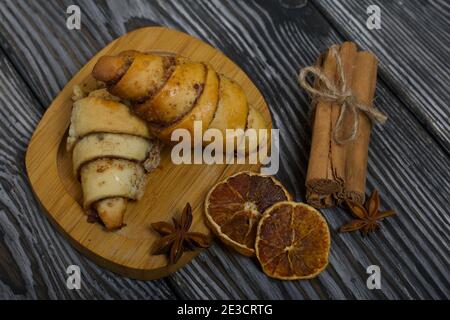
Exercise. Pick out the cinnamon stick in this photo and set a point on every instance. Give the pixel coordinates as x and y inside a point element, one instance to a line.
<point>320,182</point>
<point>347,53</point>
<point>326,169</point>
<point>363,87</point>
<point>337,171</point>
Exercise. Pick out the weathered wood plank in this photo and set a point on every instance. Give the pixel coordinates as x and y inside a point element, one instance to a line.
<point>33,255</point>
<point>413,45</point>
<point>270,43</point>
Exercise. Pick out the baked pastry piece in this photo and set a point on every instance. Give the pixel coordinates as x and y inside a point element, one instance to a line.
<point>112,150</point>
<point>173,92</point>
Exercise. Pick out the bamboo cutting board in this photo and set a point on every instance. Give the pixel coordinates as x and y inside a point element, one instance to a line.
<point>170,187</point>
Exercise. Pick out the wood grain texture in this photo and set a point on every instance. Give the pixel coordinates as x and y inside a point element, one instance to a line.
<point>269,42</point>
<point>49,168</point>
<point>413,46</point>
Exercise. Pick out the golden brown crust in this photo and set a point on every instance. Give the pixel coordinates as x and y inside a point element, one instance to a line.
<point>203,110</point>
<point>255,121</point>
<point>178,95</point>
<point>110,69</point>
<point>172,95</point>
<point>111,211</point>
<point>144,77</point>
<point>232,109</point>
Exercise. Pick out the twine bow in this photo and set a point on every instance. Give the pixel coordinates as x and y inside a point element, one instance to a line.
<point>339,93</point>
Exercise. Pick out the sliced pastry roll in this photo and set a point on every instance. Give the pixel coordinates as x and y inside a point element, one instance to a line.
<point>112,150</point>
<point>173,93</point>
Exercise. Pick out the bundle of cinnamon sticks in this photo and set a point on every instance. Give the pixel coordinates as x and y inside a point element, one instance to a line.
<point>337,171</point>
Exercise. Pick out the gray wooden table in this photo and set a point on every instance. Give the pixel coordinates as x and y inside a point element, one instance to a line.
<point>270,40</point>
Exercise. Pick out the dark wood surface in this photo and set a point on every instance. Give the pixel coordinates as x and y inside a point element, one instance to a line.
<point>413,45</point>
<point>270,40</point>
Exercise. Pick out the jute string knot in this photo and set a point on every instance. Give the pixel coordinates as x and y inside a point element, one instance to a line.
<point>337,92</point>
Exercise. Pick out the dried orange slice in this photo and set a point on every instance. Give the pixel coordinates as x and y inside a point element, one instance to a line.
<point>292,241</point>
<point>234,207</point>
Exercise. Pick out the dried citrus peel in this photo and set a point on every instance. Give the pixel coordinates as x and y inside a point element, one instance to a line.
<point>234,207</point>
<point>292,241</point>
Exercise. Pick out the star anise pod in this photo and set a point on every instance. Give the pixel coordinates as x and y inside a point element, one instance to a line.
<point>176,238</point>
<point>367,216</point>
